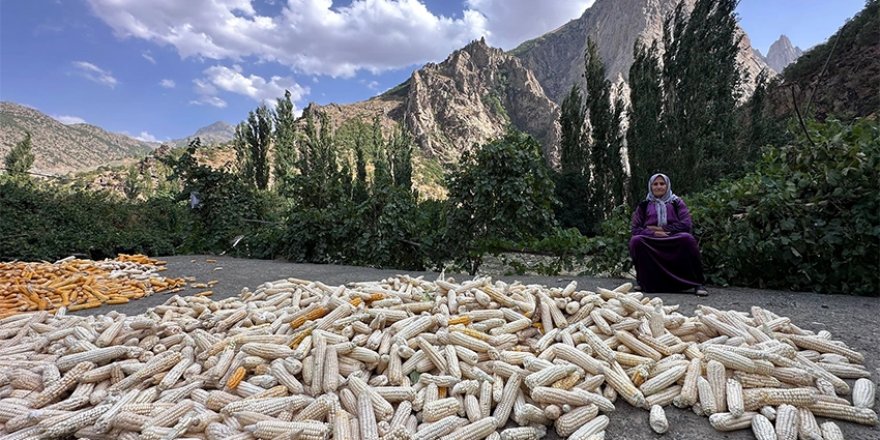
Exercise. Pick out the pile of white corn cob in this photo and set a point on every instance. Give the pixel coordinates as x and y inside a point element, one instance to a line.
<point>406,358</point>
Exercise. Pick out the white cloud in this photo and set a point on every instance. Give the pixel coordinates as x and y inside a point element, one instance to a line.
<point>317,37</point>
<point>94,73</point>
<point>147,56</point>
<point>167,83</point>
<point>511,22</point>
<point>232,80</point>
<point>67,120</point>
<point>310,36</point>
<point>146,137</point>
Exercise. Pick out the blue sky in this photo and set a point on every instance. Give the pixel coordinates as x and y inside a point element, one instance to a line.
<point>160,69</point>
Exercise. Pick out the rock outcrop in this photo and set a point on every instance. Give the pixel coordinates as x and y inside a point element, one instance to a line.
<point>782,53</point>
<point>557,58</point>
<point>469,98</point>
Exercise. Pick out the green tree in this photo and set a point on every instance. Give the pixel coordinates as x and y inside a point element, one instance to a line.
<point>285,143</point>
<point>606,168</point>
<point>571,121</point>
<point>701,82</point>
<point>132,186</point>
<point>644,137</point>
<point>252,141</point>
<point>571,183</point>
<point>503,191</point>
<point>20,159</point>
<point>318,179</point>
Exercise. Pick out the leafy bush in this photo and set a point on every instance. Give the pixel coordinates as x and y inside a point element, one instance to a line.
<point>805,219</point>
<point>503,191</point>
<point>43,222</point>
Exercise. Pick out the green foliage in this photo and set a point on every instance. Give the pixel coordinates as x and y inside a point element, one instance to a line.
<point>252,140</point>
<point>573,192</point>
<point>572,116</point>
<point>285,143</point>
<point>603,142</point>
<point>503,191</point>
<point>804,219</point>
<point>701,79</point>
<point>644,136</point>
<point>20,159</point>
<point>40,221</point>
<point>131,186</point>
<point>228,206</point>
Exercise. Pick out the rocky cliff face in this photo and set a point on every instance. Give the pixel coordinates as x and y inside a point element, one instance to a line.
<point>60,148</point>
<point>782,53</point>
<point>557,58</point>
<point>470,98</point>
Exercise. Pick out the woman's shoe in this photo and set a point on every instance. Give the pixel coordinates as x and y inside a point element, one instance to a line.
<point>700,291</point>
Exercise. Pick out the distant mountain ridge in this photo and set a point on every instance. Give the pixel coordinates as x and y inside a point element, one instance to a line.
<point>781,53</point>
<point>217,133</point>
<point>60,148</point>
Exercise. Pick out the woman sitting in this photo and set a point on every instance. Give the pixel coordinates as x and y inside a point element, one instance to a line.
<point>665,254</point>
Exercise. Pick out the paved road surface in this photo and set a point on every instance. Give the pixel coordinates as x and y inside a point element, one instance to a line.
<point>855,320</point>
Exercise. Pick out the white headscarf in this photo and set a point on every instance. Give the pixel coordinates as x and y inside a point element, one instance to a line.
<point>661,202</point>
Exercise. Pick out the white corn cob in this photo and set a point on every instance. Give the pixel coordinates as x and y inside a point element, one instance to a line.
<point>523,433</point>
<point>707,397</point>
<point>508,396</point>
<point>657,420</point>
<point>786,422</point>
<point>366,417</point>
<point>725,421</point>
<point>661,381</point>
<point>435,410</point>
<point>830,431</point>
<point>475,431</point>
<point>763,428</point>
<point>808,428</point>
<point>591,428</point>
<point>571,421</point>
<point>735,403</point>
<point>863,393</point>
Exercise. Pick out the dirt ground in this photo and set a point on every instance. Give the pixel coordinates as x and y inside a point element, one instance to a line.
<point>850,319</point>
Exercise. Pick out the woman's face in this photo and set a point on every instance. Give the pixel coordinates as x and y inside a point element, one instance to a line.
<point>658,187</point>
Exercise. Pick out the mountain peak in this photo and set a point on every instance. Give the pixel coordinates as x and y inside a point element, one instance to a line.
<point>782,53</point>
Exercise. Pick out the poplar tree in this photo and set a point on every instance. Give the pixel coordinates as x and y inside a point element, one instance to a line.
<point>252,140</point>
<point>285,143</point>
<point>606,169</point>
<point>701,82</point>
<point>20,159</point>
<point>644,136</point>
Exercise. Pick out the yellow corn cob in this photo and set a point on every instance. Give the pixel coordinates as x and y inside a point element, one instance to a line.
<point>236,378</point>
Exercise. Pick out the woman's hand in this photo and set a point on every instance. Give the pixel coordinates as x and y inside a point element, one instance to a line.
<point>655,228</point>
<point>661,233</point>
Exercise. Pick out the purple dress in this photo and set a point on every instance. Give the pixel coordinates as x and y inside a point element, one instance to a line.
<point>665,264</point>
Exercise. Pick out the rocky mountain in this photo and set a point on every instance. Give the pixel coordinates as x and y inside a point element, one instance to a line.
<point>217,133</point>
<point>471,97</point>
<point>782,53</point>
<point>839,77</point>
<point>61,148</point>
<point>557,58</point>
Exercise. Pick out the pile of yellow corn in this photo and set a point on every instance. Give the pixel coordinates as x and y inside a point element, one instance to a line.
<point>406,358</point>
<point>80,284</point>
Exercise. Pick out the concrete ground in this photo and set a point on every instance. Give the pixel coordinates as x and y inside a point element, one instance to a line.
<point>850,319</point>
